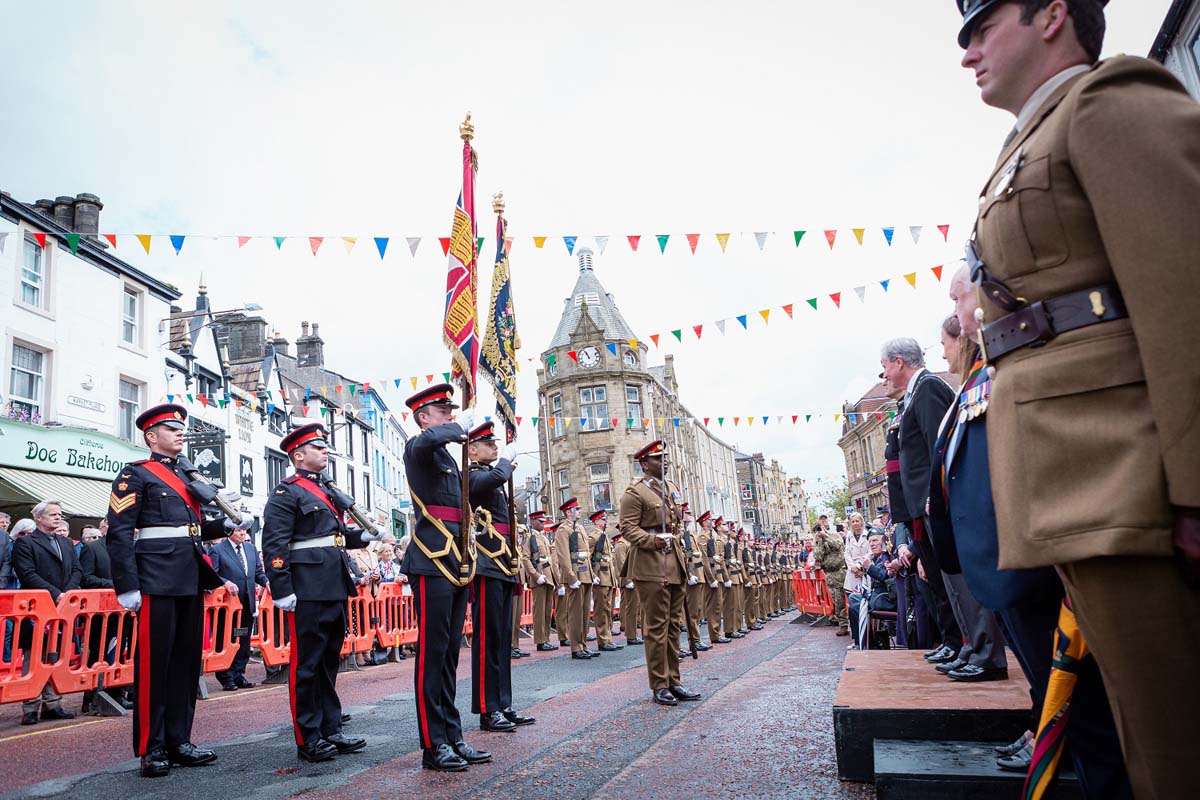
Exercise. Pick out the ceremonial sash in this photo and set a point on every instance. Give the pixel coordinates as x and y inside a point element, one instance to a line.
<point>317,492</point>
<point>168,476</point>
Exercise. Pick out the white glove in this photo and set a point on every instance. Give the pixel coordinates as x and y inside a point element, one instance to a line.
<point>367,536</point>
<point>509,452</point>
<point>595,581</point>
<point>562,590</point>
<point>467,419</point>
<point>231,526</point>
<point>692,581</point>
<point>728,584</point>
<point>712,585</point>
<point>130,601</point>
<point>575,585</point>
<point>629,585</point>
<point>286,603</point>
<point>541,579</point>
<point>664,540</point>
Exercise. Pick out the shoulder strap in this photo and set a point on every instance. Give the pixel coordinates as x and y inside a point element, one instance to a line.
<point>317,492</point>
<point>173,481</point>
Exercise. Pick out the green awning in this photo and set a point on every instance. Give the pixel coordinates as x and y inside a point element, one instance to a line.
<point>81,497</point>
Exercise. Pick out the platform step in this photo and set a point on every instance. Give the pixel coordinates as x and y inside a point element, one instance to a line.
<point>951,770</point>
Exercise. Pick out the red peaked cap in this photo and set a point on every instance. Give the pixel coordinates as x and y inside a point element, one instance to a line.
<point>485,432</point>
<point>572,503</point>
<point>168,413</point>
<point>704,516</point>
<point>442,394</point>
<point>313,433</point>
<point>598,514</point>
<point>655,448</point>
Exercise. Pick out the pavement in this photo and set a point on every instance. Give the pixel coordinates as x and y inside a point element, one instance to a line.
<point>763,729</point>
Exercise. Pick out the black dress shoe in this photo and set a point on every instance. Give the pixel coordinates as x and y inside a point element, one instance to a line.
<point>470,754</point>
<point>155,765</point>
<point>946,657</point>
<point>57,713</point>
<point>229,687</point>
<point>684,694</point>
<point>611,647</point>
<point>345,744</point>
<point>702,646</point>
<point>582,655</point>
<point>564,642</point>
<point>947,667</point>
<point>973,674</point>
<point>346,718</point>
<point>1009,749</point>
<point>546,647</point>
<point>933,652</point>
<point>756,627</point>
<point>591,637</point>
<point>188,755</point>
<point>743,631</point>
<point>442,759</point>
<point>722,640</point>
<point>29,718</point>
<point>664,697</point>
<point>495,722</point>
<point>1018,761</point>
<point>635,640</point>
<point>515,653</point>
<point>736,635</point>
<point>685,654</point>
<point>242,683</point>
<point>517,719</point>
<point>317,750</point>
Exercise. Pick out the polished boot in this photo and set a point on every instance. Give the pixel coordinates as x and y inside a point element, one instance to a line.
<point>722,640</point>
<point>188,755</point>
<point>29,718</point>
<point>442,759</point>
<point>702,646</point>
<point>582,655</point>
<point>57,713</point>
<point>949,666</point>
<point>345,744</point>
<point>610,647</point>
<point>470,754</point>
<point>635,640</point>
<point>681,693</point>
<point>664,697</point>
<point>517,719</point>
<point>242,683</point>
<point>546,647</point>
<point>318,750</point>
<point>495,722</point>
<point>155,764</point>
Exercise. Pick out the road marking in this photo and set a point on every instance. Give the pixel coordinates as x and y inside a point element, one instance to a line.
<point>52,730</point>
<point>212,698</point>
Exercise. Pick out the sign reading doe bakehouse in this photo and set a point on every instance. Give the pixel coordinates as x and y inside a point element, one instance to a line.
<point>64,451</point>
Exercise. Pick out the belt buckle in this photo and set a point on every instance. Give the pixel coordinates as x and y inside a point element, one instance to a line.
<point>193,530</point>
<point>1043,325</point>
<point>339,540</point>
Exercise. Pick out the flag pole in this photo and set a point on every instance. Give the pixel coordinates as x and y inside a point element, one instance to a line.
<point>501,225</point>
<point>466,132</point>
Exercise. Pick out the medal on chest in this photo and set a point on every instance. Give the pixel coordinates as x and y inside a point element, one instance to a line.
<point>1004,182</point>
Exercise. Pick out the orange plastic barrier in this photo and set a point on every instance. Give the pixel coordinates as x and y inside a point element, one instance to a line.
<point>811,593</point>
<point>104,636</point>
<point>397,619</point>
<point>272,639</point>
<point>222,621</point>
<point>35,618</point>
<point>360,622</point>
<point>526,606</point>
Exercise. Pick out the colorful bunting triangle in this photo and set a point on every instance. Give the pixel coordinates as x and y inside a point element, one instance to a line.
<point>678,334</point>
<point>381,243</point>
<point>937,272</point>
<point>812,301</point>
<point>633,242</point>
<point>887,234</point>
<point>538,242</point>
<point>693,239</point>
<point>945,229</point>
<point>697,329</point>
<point>569,241</point>
<point>654,338</point>
<point>723,240</point>
<point>741,318</point>
<point>788,310</point>
<point>761,238</point>
<point>177,242</point>
<point>279,242</point>
<point>836,297</point>
<point>662,242</point>
<point>915,230</point>
<point>144,238</point>
<point>73,242</point>
<point>831,237</point>
<point>912,279</point>
<point>858,233</point>
<point>111,238</point>
<point>884,284</point>
<point>241,240</point>
<point>721,326</point>
<point>861,291</point>
<point>766,312</point>
<point>799,235</point>
<point>315,243</point>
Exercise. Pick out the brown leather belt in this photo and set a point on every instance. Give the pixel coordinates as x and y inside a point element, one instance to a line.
<point>1038,323</point>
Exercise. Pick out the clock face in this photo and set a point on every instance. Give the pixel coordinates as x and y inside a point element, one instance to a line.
<point>589,357</point>
<point>630,358</point>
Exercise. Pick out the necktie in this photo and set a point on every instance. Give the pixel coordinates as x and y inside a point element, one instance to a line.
<point>242,556</point>
<point>57,548</point>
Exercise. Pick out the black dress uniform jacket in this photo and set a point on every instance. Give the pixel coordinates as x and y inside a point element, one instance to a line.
<point>166,567</point>
<point>434,480</point>
<point>294,514</point>
<point>495,557</point>
<point>39,564</point>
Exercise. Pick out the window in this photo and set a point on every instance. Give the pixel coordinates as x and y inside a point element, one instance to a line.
<point>636,470</point>
<point>332,437</point>
<point>26,384</point>
<point>277,466</point>
<point>33,275</point>
<point>349,438</point>
<point>593,409</point>
<point>552,365</point>
<point>350,483</point>
<point>129,316</point>
<point>129,404</point>
<point>364,448</point>
<point>367,495</point>
<point>564,486</point>
<point>598,474</point>
<point>748,515</point>
<point>277,424</point>
<point>556,429</point>
<point>332,466</point>
<point>633,404</point>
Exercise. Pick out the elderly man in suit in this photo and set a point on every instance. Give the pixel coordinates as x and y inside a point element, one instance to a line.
<point>238,563</point>
<point>45,560</point>
<point>1085,253</point>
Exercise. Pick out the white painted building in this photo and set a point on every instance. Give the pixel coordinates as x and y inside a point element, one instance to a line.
<point>1177,45</point>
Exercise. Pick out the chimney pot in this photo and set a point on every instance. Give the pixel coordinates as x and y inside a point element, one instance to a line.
<point>315,328</point>
<point>87,213</point>
<point>64,211</point>
<point>304,329</point>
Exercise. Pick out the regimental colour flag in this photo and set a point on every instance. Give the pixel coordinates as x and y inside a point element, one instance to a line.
<point>460,328</point>
<point>500,343</point>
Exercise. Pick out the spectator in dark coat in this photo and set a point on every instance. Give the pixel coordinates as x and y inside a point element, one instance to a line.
<point>238,563</point>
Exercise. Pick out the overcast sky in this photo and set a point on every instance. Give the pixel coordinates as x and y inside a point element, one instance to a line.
<point>304,119</point>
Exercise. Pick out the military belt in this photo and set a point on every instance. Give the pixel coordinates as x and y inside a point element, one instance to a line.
<point>1036,324</point>
<point>169,532</point>
<point>320,541</point>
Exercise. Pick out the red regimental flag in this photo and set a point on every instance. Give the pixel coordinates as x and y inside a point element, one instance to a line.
<point>460,327</point>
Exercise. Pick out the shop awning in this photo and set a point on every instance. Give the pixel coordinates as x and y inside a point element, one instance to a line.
<point>81,497</point>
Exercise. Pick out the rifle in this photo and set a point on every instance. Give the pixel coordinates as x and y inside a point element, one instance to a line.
<point>206,490</point>
<point>687,612</point>
<point>349,505</point>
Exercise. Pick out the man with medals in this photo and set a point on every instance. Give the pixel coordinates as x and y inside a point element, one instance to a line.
<point>575,571</point>
<point>603,582</point>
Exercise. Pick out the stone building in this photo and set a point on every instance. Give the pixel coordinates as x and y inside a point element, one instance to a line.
<point>599,403</point>
<point>864,435</point>
<point>769,503</point>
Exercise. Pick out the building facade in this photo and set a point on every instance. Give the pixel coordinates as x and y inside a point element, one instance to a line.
<point>1177,45</point>
<point>599,403</point>
<point>864,437</point>
<point>770,502</point>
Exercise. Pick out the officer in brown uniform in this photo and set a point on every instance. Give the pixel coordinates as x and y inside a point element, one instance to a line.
<point>540,574</point>
<point>696,583</point>
<point>631,608</point>
<point>519,596</point>
<point>754,590</point>
<point>604,581</point>
<point>733,582</point>
<point>714,560</point>
<point>574,573</point>
<point>650,521</point>
<point>1085,253</point>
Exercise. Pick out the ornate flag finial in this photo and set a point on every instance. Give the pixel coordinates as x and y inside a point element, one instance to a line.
<point>467,130</point>
<point>498,202</point>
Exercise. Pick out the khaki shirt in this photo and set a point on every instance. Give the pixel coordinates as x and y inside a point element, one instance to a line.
<point>641,509</point>
<point>603,566</point>
<point>573,565</point>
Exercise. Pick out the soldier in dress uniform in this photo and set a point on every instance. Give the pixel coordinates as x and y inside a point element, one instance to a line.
<point>575,573</point>
<point>696,584</point>
<point>714,559</point>
<point>155,529</point>
<point>1085,255</point>
<point>560,590</point>
<point>650,520</point>
<point>604,589</point>
<point>304,543</point>
<point>631,607</point>
<point>756,592</point>
<point>730,624</point>
<point>432,564</point>
<point>540,571</point>
<point>495,580</point>
<point>523,580</point>
<point>764,581</point>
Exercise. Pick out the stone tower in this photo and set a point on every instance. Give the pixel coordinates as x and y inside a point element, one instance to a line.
<point>594,397</point>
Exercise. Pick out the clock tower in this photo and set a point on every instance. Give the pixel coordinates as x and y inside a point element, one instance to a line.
<point>594,399</point>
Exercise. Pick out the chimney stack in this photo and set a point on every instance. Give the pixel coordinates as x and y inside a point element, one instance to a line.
<point>281,344</point>
<point>45,208</point>
<point>310,349</point>
<point>87,213</point>
<point>64,211</point>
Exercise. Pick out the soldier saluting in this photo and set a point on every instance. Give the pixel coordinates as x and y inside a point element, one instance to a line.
<point>492,589</point>
<point>432,563</point>
<point>650,520</point>
<point>155,528</point>
<point>304,547</point>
